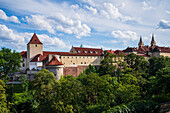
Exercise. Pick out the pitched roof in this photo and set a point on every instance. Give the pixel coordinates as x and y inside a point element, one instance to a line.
<point>164,49</point>
<point>54,62</point>
<point>110,51</point>
<point>82,50</point>
<point>130,49</point>
<point>23,54</point>
<point>38,58</point>
<point>34,40</point>
<point>45,53</point>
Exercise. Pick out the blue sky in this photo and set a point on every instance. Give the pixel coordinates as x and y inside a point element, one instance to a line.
<point>107,24</point>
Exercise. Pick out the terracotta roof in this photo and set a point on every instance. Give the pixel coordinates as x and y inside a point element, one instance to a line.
<point>38,58</point>
<point>110,51</point>
<point>34,40</point>
<point>23,54</point>
<point>88,50</point>
<point>54,62</point>
<point>164,49</point>
<point>71,54</point>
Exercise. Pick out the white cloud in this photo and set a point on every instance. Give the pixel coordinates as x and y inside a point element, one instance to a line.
<point>112,12</point>
<point>127,35</point>
<point>168,12</point>
<point>75,6</point>
<point>93,10</point>
<point>40,22</point>
<point>9,37</point>
<point>146,5</point>
<point>90,2</point>
<point>164,24</point>
<point>59,23</point>
<point>6,18</point>
<point>52,41</point>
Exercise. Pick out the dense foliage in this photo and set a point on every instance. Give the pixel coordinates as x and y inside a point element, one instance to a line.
<point>130,86</point>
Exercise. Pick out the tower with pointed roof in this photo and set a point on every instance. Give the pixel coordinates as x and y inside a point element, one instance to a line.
<point>34,47</point>
<point>153,43</point>
<point>140,44</point>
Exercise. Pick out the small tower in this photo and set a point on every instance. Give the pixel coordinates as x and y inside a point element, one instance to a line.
<point>140,44</point>
<point>34,47</point>
<point>81,46</point>
<point>153,43</point>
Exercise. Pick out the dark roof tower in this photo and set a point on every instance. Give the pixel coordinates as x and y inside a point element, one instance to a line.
<point>140,42</point>
<point>153,43</point>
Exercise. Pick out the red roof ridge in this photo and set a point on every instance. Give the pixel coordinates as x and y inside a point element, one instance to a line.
<point>34,40</point>
<point>54,62</point>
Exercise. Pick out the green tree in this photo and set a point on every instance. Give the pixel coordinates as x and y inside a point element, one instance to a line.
<point>10,62</point>
<point>24,82</point>
<point>3,102</point>
<point>107,66</point>
<point>90,69</point>
<point>43,86</point>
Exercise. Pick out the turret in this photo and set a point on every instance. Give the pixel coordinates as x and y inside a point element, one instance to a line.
<point>140,44</point>
<point>153,43</point>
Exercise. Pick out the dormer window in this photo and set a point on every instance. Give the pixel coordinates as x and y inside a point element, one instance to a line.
<point>85,51</point>
<point>78,51</point>
<point>35,40</point>
<point>91,52</point>
<point>96,52</point>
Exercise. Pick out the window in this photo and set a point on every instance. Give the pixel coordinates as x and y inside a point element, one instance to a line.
<point>67,57</point>
<point>85,51</point>
<point>71,60</point>
<point>35,45</point>
<point>84,62</point>
<point>91,52</point>
<point>23,65</point>
<point>78,51</point>
<point>81,62</point>
<point>73,63</point>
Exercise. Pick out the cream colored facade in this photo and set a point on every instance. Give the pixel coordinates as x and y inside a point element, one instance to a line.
<point>32,51</point>
<point>81,60</point>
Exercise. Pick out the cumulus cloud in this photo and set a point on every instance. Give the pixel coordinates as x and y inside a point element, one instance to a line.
<point>76,6</point>
<point>6,18</point>
<point>59,22</point>
<point>130,35</point>
<point>52,41</point>
<point>164,24</point>
<point>93,10</point>
<point>112,12</point>
<point>40,22</point>
<point>8,36</point>
<point>90,2</point>
<point>19,40</point>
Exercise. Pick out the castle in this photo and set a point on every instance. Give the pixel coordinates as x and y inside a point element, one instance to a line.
<point>78,59</point>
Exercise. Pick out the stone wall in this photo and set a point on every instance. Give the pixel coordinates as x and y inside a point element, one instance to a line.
<point>75,71</point>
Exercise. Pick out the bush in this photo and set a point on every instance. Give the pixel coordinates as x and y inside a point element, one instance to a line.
<point>142,106</point>
<point>95,109</point>
<point>161,98</point>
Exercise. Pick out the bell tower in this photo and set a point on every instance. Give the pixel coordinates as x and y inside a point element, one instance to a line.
<point>34,47</point>
<point>140,44</point>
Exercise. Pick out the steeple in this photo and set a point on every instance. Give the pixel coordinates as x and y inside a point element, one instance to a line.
<point>153,43</point>
<point>140,42</point>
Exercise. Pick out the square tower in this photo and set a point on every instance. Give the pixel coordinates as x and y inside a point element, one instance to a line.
<point>34,47</point>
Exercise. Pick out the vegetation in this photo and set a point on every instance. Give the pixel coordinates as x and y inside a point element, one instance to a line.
<point>132,86</point>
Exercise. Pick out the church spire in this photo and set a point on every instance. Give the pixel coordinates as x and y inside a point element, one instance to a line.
<point>153,43</point>
<point>140,42</point>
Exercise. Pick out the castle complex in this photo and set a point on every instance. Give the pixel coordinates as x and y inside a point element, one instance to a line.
<point>78,59</point>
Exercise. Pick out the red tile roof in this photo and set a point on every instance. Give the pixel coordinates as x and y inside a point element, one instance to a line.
<point>54,62</point>
<point>164,49</point>
<point>34,40</point>
<point>82,50</point>
<point>38,58</point>
<point>110,51</point>
<point>23,54</point>
<point>71,54</point>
